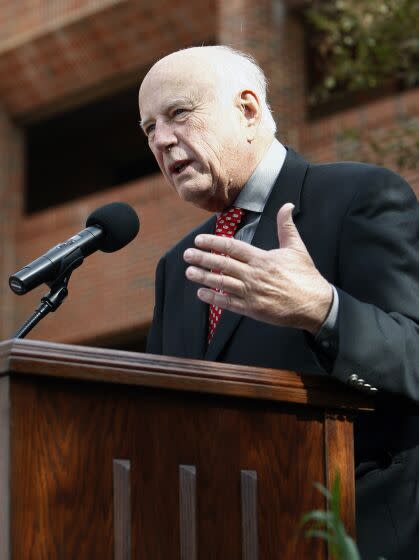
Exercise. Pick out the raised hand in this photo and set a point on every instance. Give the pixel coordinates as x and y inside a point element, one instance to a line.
<point>282,286</point>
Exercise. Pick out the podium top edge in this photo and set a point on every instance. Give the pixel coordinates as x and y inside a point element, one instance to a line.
<point>38,358</point>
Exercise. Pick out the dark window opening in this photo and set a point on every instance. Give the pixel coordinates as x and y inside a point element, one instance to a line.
<point>85,150</point>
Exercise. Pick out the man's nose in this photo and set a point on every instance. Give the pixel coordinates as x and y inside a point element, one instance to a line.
<point>164,136</point>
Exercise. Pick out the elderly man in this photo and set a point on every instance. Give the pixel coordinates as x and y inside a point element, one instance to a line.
<point>313,268</point>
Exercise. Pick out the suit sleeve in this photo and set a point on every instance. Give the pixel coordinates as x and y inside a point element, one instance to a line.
<point>155,335</point>
<point>378,319</point>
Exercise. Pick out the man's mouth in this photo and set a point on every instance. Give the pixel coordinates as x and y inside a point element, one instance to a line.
<point>177,167</point>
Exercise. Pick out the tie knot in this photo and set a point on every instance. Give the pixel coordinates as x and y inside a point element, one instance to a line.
<point>228,222</point>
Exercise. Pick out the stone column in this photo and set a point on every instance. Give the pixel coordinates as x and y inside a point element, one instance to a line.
<point>11,204</point>
<point>274,35</point>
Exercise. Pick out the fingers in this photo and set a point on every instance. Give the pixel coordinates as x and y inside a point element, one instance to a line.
<point>219,271</point>
<point>213,261</point>
<point>215,281</point>
<point>225,301</point>
<point>236,249</point>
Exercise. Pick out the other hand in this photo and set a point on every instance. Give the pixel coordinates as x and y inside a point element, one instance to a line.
<point>281,286</point>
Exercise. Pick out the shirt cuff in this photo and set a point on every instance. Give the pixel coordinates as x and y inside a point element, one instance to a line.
<point>326,337</point>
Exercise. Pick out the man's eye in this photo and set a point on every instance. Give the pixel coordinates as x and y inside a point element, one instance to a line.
<point>149,129</point>
<point>178,112</point>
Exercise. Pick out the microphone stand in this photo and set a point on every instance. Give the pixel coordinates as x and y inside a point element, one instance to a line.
<point>50,302</point>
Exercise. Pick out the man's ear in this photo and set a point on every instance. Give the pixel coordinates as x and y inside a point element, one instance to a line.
<point>250,107</point>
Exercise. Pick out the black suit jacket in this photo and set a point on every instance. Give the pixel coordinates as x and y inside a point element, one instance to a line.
<point>360,224</point>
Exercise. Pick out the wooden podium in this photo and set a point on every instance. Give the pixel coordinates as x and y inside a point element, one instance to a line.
<point>115,456</point>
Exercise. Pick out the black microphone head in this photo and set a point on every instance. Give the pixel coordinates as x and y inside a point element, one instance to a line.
<point>119,222</point>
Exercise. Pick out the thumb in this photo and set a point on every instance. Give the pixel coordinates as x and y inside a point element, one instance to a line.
<point>288,235</point>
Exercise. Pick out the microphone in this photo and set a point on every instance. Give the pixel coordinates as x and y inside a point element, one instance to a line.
<point>108,228</point>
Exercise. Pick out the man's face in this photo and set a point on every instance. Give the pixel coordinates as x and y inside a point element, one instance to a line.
<point>198,140</point>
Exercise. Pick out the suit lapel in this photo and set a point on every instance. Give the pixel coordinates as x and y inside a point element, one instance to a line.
<point>195,312</point>
<point>287,188</point>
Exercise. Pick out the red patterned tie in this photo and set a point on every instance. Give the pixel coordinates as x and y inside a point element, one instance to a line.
<point>226,226</point>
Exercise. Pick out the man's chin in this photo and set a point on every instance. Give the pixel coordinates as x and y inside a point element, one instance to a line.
<point>201,198</point>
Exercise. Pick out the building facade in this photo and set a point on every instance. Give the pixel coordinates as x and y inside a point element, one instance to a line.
<point>69,70</point>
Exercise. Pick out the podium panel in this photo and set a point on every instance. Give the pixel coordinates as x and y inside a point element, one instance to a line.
<point>121,456</point>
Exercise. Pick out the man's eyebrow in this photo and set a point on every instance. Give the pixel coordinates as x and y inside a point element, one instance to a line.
<point>143,124</point>
<point>172,105</point>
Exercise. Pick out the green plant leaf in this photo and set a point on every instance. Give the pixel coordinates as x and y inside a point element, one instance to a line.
<point>320,534</point>
<point>318,516</point>
<point>328,526</point>
<point>362,45</point>
<point>323,490</point>
<point>349,550</point>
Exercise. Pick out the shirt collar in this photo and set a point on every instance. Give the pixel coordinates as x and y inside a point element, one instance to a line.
<point>257,189</point>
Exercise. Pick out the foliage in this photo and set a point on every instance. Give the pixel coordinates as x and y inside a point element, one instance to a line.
<point>363,44</point>
<point>327,525</point>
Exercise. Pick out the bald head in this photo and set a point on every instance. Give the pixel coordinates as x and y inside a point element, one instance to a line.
<point>202,110</point>
<point>230,70</point>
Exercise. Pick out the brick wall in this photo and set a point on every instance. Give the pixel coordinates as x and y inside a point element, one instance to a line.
<point>21,21</point>
<point>110,293</point>
<point>57,54</point>
<point>325,139</point>
<point>67,49</point>
<point>54,55</point>
<point>11,189</point>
